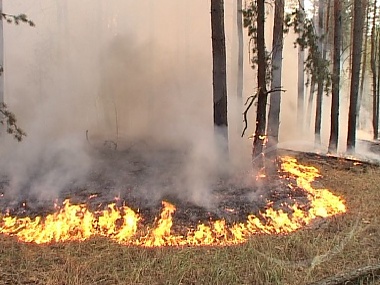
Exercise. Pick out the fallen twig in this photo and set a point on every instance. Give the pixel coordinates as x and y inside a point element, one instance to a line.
<point>372,272</point>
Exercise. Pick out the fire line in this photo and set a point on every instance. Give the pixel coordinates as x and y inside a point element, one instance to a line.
<point>123,225</point>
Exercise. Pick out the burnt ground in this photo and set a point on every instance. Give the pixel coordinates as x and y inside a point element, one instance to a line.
<point>141,180</point>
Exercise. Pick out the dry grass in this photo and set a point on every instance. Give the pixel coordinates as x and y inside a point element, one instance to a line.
<point>336,245</point>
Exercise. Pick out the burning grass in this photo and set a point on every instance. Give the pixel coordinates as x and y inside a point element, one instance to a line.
<point>325,247</point>
<point>78,223</point>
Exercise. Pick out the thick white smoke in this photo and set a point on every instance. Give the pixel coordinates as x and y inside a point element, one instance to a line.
<point>136,74</point>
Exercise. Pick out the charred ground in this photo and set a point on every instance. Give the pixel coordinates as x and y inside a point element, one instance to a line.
<point>142,178</point>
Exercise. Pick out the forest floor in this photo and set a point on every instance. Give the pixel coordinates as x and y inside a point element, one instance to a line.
<point>339,244</point>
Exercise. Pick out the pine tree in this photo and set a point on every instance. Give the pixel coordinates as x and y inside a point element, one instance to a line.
<point>356,58</point>
<point>334,131</point>
<point>219,70</point>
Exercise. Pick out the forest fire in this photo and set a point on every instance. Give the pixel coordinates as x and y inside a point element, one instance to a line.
<point>123,225</point>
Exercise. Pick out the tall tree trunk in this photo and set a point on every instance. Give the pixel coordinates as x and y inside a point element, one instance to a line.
<point>260,137</point>
<point>310,102</point>
<point>275,97</point>
<point>318,113</point>
<point>375,103</point>
<point>239,22</point>
<point>327,23</point>
<point>349,41</point>
<point>301,81</point>
<point>377,93</point>
<point>364,65</point>
<point>219,70</point>
<point>334,131</point>
<point>356,58</point>
<point>1,55</point>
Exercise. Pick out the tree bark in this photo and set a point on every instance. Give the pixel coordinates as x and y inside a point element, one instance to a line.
<point>310,102</point>
<point>301,82</point>
<point>239,22</point>
<point>375,103</point>
<point>378,75</point>
<point>275,97</point>
<point>259,139</point>
<point>355,76</point>
<point>364,65</point>
<point>334,131</point>
<point>1,55</point>
<point>318,115</point>
<point>219,70</point>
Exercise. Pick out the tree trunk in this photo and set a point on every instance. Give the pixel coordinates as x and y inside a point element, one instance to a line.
<point>219,70</point>
<point>239,22</point>
<point>310,103</point>
<point>275,97</point>
<point>1,55</point>
<point>375,103</point>
<point>320,88</point>
<point>364,65</point>
<point>301,82</point>
<point>260,136</point>
<point>355,76</point>
<point>378,76</point>
<point>318,114</point>
<point>333,144</point>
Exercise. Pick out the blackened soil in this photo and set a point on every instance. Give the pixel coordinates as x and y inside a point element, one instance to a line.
<point>143,179</point>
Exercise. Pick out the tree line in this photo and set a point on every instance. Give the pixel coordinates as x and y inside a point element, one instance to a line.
<point>334,29</point>
<point>322,40</point>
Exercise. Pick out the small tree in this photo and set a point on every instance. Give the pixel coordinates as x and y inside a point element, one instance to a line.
<point>315,64</point>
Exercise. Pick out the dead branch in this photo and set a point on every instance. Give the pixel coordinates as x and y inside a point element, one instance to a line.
<point>250,99</point>
<point>279,89</point>
<point>371,272</point>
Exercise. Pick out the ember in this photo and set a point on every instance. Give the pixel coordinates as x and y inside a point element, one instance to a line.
<point>123,225</point>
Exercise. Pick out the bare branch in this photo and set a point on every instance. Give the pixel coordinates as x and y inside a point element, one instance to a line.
<point>277,89</point>
<point>250,99</point>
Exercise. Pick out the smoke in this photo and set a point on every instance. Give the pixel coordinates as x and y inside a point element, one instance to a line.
<point>134,75</point>
<point>137,76</point>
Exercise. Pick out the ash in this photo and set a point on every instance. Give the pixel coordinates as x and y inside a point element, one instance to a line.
<point>143,179</point>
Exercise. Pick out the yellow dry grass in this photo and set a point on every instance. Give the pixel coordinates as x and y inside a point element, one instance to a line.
<point>325,248</point>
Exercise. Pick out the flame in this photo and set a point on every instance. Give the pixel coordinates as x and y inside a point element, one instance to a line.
<point>122,224</point>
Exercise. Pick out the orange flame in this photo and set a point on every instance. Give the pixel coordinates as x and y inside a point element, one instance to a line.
<point>78,223</point>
